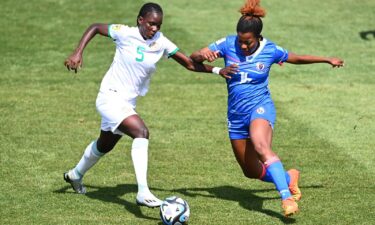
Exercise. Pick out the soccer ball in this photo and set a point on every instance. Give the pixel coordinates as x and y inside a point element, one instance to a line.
<point>174,211</point>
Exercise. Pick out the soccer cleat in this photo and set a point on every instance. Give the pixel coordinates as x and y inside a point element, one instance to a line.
<point>293,184</point>
<point>290,206</point>
<point>77,185</point>
<point>148,199</point>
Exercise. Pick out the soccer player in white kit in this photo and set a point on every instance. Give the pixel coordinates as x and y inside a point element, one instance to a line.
<point>138,49</point>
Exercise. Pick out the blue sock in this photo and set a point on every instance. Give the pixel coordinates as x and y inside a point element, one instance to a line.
<point>267,177</point>
<point>277,174</point>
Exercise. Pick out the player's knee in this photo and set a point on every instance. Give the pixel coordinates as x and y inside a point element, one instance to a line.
<point>142,133</point>
<point>262,148</point>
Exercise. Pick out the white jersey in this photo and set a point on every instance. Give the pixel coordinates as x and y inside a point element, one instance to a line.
<point>134,61</point>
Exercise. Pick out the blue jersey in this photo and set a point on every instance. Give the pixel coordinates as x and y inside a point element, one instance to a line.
<point>248,87</point>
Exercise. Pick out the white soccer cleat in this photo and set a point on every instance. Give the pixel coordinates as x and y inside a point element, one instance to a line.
<point>148,199</point>
<point>77,185</point>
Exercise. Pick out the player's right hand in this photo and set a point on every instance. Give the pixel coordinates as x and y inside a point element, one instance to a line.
<point>228,71</point>
<point>336,62</point>
<point>74,62</point>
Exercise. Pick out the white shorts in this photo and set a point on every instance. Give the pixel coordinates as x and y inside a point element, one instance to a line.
<point>113,109</point>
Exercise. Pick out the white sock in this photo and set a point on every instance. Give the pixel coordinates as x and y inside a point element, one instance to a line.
<point>90,157</point>
<point>140,161</point>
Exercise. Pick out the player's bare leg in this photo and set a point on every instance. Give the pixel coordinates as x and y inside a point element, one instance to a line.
<point>261,136</point>
<point>247,158</point>
<point>136,128</point>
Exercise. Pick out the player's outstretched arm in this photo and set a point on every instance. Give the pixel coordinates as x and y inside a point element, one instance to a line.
<point>75,60</point>
<point>205,54</point>
<point>191,65</point>
<point>308,59</point>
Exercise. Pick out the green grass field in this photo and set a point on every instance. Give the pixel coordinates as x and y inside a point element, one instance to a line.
<point>325,123</point>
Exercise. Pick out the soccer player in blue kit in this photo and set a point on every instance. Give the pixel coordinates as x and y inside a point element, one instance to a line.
<point>251,111</point>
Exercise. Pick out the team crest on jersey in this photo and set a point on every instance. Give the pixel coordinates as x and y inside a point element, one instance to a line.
<point>153,46</point>
<point>116,27</point>
<point>260,66</point>
<point>260,110</point>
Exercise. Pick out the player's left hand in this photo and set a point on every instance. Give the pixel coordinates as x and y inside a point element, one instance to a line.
<point>228,71</point>
<point>336,62</point>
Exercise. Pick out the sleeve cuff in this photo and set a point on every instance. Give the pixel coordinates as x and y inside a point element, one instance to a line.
<point>109,31</point>
<point>173,52</point>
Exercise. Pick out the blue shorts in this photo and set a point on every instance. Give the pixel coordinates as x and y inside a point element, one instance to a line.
<point>239,123</point>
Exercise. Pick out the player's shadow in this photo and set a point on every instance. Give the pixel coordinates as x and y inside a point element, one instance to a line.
<point>247,198</point>
<point>366,34</point>
<point>113,195</point>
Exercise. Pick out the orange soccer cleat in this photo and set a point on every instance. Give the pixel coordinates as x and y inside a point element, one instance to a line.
<point>293,184</point>
<point>290,206</point>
